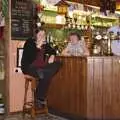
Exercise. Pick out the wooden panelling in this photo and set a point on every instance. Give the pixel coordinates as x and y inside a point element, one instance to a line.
<point>94,85</point>
<point>107,78</point>
<point>115,88</point>
<point>90,89</point>
<point>87,87</point>
<point>67,92</point>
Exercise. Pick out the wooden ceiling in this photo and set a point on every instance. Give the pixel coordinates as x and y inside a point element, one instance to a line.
<point>90,2</point>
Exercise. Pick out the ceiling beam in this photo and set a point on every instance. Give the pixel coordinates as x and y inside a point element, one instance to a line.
<point>89,2</point>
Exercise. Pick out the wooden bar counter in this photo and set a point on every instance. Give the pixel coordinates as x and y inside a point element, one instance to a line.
<point>88,87</point>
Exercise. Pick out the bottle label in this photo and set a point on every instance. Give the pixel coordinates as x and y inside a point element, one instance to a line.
<point>2,110</point>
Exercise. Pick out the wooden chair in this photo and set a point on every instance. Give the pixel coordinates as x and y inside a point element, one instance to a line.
<point>29,107</point>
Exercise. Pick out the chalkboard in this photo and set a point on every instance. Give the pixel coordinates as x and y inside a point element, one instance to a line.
<point>21,19</point>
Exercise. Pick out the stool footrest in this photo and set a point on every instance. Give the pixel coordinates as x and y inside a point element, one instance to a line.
<point>43,110</point>
<point>28,104</point>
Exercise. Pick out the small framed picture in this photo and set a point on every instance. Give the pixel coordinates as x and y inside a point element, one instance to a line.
<point>19,56</point>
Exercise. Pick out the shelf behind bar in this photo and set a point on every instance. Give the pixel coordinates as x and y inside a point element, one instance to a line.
<point>58,26</point>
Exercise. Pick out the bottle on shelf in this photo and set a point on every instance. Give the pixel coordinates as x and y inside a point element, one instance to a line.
<point>2,107</point>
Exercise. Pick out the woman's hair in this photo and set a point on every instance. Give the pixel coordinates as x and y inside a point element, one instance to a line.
<point>40,29</point>
<point>75,34</point>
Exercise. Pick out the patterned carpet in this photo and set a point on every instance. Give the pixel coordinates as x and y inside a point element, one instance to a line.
<point>40,117</point>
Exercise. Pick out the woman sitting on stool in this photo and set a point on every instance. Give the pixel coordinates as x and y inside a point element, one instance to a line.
<point>38,60</point>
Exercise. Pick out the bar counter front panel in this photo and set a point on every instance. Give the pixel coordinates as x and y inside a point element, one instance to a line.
<point>88,87</point>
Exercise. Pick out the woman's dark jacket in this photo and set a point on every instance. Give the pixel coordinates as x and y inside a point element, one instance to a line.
<point>30,52</point>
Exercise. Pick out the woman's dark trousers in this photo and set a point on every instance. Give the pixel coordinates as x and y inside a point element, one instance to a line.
<point>45,75</point>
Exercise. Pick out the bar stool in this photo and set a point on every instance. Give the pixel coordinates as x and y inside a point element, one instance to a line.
<point>29,107</point>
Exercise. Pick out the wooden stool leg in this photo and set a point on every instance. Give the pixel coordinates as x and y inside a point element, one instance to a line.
<point>25,96</point>
<point>26,90</point>
<point>33,112</point>
<point>30,107</point>
<point>46,109</point>
<point>33,87</point>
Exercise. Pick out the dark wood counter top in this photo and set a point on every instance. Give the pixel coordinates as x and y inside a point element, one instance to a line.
<point>88,87</point>
<point>88,56</point>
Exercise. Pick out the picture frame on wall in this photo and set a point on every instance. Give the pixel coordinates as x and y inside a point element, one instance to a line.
<point>19,57</point>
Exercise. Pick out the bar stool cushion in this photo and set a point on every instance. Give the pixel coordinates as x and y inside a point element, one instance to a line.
<point>29,77</point>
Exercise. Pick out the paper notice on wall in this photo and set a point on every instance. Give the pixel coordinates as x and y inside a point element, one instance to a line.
<point>2,75</point>
<point>2,20</point>
<point>2,72</point>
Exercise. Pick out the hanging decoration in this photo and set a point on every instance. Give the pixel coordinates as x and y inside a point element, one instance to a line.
<point>112,6</point>
<point>62,7</point>
<point>38,12</point>
<point>107,5</point>
<point>117,4</point>
<point>2,19</point>
<point>39,8</point>
<point>4,7</point>
<point>85,2</point>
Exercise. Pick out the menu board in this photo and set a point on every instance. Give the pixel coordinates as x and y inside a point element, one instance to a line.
<point>21,19</point>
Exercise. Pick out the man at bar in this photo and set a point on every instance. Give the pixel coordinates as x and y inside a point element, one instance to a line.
<point>75,47</point>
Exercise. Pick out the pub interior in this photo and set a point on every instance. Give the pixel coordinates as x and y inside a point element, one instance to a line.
<point>86,87</point>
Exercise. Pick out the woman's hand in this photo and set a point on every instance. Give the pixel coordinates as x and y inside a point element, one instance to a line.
<point>51,59</point>
<point>65,52</point>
